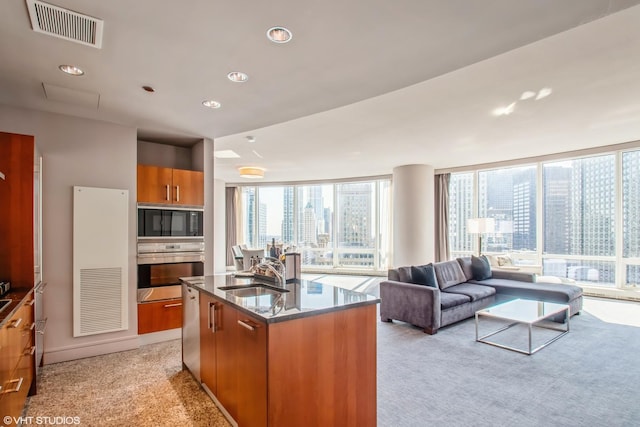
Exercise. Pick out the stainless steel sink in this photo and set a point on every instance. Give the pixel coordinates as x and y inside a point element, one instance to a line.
<point>257,297</point>
<point>254,291</point>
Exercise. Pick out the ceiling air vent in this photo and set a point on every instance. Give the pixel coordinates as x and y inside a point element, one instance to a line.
<point>65,24</point>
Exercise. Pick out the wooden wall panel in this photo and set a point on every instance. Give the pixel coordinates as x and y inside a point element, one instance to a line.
<point>16,215</point>
<point>322,370</point>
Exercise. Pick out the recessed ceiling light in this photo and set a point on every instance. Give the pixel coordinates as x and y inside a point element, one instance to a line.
<point>211,104</point>
<point>251,172</point>
<point>251,138</point>
<point>238,77</point>
<point>72,70</point>
<point>226,154</point>
<point>279,35</point>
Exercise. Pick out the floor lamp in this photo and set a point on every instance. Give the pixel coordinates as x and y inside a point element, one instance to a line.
<point>480,226</point>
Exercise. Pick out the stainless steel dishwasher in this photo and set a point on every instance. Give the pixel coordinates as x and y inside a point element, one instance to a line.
<point>191,330</point>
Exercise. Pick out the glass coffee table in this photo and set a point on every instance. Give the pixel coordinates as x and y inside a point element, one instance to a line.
<point>524,312</point>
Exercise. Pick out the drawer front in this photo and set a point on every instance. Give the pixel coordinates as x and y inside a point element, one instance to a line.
<point>16,388</point>
<point>17,335</point>
<point>26,329</point>
<point>159,316</point>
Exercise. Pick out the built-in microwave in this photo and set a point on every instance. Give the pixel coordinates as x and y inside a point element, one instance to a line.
<point>169,222</point>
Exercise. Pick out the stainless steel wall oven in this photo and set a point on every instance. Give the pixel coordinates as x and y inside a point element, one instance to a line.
<point>155,222</point>
<point>161,262</point>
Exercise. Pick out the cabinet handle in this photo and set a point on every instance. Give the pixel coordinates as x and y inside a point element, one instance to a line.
<point>16,323</point>
<point>212,317</point>
<point>17,389</point>
<point>177,193</point>
<point>41,288</point>
<point>246,325</point>
<point>168,196</point>
<point>178,304</point>
<point>30,351</point>
<point>33,326</point>
<point>30,302</point>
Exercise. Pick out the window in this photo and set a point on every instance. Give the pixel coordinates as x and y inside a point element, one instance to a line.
<point>585,213</point>
<point>249,229</point>
<point>460,209</point>
<point>315,219</point>
<point>355,224</point>
<point>631,216</point>
<point>333,226</point>
<point>509,197</point>
<point>579,219</point>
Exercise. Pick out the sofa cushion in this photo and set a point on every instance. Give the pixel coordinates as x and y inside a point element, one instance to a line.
<point>449,299</point>
<point>472,290</point>
<point>400,274</point>
<point>551,292</point>
<point>449,273</point>
<point>480,267</point>
<point>465,264</point>
<point>424,275</point>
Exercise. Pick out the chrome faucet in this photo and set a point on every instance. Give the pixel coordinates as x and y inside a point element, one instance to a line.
<point>270,264</point>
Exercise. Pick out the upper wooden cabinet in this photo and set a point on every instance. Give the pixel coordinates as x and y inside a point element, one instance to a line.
<point>170,186</point>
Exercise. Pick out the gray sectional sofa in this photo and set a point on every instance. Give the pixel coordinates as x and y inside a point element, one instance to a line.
<point>458,293</point>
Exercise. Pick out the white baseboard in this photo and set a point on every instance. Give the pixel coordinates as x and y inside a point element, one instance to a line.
<point>80,351</point>
<point>154,337</point>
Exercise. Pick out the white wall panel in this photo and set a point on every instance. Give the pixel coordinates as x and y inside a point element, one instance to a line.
<point>100,260</point>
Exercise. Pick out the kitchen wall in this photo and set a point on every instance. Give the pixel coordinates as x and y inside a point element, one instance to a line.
<point>77,152</point>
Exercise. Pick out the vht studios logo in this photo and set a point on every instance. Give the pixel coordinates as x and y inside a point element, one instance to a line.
<point>40,421</point>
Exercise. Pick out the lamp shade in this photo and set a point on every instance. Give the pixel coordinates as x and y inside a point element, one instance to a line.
<point>251,172</point>
<point>481,225</point>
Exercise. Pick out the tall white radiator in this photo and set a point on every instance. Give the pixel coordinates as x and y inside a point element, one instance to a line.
<point>100,265</point>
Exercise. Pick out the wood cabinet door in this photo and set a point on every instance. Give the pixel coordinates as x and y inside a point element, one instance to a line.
<point>251,355</point>
<point>208,364</point>
<point>16,215</point>
<point>188,187</point>
<point>159,316</point>
<point>154,184</point>
<point>227,367</point>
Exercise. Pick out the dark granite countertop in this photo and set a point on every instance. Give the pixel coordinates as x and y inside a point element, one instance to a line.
<point>16,296</point>
<point>302,298</point>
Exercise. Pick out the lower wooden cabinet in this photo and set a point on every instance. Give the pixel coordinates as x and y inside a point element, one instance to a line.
<point>17,359</point>
<point>313,371</point>
<point>159,315</point>
<point>233,361</point>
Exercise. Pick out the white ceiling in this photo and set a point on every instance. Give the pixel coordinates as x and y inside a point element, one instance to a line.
<point>364,86</point>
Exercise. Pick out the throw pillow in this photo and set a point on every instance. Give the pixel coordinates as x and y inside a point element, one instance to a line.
<point>424,275</point>
<point>504,260</point>
<point>480,267</point>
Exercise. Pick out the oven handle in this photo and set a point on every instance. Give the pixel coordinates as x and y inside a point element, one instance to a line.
<point>168,257</point>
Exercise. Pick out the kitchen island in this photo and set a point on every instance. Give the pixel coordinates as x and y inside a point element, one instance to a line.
<point>303,353</point>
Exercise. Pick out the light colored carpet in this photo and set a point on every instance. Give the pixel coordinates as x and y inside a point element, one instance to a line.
<point>589,377</point>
